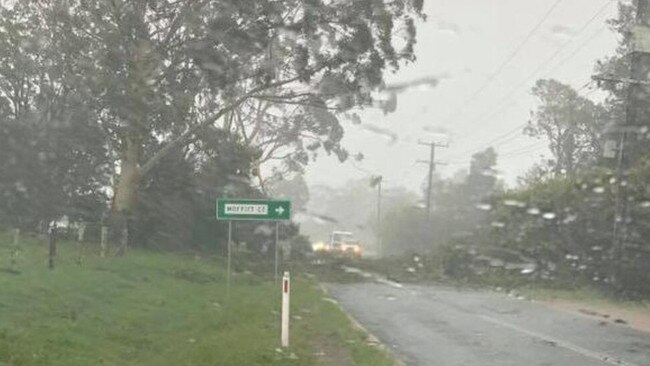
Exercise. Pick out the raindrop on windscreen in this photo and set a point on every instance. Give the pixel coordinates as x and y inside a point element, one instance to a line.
<point>514,203</point>
<point>383,96</point>
<point>599,190</point>
<point>527,270</point>
<point>533,211</point>
<point>300,217</point>
<point>570,218</point>
<point>424,87</point>
<point>489,172</point>
<point>549,215</point>
<point>645,204</point>
<point>484,206</point>
<point>264,230</point>
<point>238,178</point>
<point>20,187</point>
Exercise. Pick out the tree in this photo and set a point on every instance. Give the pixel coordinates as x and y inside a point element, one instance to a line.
<point>482,178</point>
<point>176,202</point>
<point>570,122</point>
<point>158,73</point>
<point>537,173</point>
<point>402,230</point>
<point>55,160</point>
<point>295,189</point>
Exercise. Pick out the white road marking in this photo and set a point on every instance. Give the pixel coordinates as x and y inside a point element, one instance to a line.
<point>603,357</point>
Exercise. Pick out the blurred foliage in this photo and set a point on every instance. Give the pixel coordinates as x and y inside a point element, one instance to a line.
<point>166,105</point>
<point>556,230</point>
<point>570,122</point>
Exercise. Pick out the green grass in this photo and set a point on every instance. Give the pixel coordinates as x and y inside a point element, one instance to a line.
<point>161,309</point>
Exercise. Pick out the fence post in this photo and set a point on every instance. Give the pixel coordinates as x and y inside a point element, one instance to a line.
<point>81,232</point>
<point>103,239</point>
<point>16,237</point>
<point>51,245</point>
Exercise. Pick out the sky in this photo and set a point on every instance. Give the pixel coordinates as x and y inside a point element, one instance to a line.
<point>464,43</point>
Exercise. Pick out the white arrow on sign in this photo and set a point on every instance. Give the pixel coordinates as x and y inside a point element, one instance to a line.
<point>279,210</point>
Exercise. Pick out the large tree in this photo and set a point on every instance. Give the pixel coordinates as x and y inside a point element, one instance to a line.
<point>482,177</point>
<point>54,158</point>
<point>571,123</point>
<point>158,73</point>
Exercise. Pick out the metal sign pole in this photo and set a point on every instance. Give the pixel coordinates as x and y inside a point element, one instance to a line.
<point>229,257</point>
<point>277,227</point>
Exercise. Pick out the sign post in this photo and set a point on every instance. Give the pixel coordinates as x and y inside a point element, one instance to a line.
<point>253,210</point>
<point>229,258</point>
<point>284,337</point>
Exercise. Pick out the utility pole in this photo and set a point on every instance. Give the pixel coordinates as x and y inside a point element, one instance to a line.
<point>432,168</point>
<point>637,114</point>
<point>375,181</point>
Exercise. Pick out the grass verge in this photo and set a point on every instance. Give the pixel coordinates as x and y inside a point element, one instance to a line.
<point>161,309</point>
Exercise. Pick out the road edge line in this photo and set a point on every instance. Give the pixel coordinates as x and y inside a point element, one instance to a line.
<point>397,361</point>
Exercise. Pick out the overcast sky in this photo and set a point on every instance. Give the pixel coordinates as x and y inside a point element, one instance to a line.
<point>464,42</point>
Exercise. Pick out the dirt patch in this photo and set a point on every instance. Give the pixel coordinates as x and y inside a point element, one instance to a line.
<point>329,352</point>
<point>637,317</point>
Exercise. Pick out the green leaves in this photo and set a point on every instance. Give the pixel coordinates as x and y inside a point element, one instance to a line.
<point>571,123</point>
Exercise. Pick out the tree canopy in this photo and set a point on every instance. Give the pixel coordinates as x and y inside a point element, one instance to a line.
<point>150,78</point>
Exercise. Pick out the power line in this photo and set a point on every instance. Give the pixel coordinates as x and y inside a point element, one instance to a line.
<point>546,62</point>
<point>524,150</point>
<point>507,61</point>
<point>499,140</point>
<point>508,136</point>
<point>577,50</point>
<point>360,169</point>
<point>504,102</point>
<point>513,91</point>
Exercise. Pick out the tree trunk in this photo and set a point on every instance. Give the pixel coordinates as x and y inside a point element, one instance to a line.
<point>125,198</point>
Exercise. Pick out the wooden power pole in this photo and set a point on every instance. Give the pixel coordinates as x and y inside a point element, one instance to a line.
<point>432,168</point>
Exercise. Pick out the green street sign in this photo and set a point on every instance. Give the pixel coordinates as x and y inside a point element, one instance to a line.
<point>252,209</point>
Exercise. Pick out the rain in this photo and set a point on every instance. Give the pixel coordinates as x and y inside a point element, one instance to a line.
<point>324,182</point>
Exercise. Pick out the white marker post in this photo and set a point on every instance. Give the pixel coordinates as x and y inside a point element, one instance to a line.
<point>277,241</point>
<point>285,310</point>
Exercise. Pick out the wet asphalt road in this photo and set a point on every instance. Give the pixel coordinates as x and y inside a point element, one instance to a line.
<point>431,325</point>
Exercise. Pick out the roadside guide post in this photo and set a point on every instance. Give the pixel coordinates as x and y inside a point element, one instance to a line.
<point>277,241</point>
<point>252,210</point>
<point>229,258</point>
<point>284,337</point>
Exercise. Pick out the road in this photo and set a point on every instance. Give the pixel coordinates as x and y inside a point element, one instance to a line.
<point>436,325</point>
